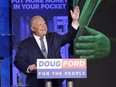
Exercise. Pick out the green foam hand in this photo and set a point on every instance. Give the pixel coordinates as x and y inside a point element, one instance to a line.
<point>93,45</point>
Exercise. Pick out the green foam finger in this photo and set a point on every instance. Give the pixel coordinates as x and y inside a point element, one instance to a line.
<point>85,52</point>
<point>88,57</point>
<point>85,45</point>
<point>92,31</point>
<point>87,39</point>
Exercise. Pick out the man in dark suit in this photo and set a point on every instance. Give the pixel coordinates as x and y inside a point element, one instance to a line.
<point>29,50</point>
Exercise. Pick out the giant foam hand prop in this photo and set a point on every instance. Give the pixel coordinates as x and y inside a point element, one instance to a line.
<point>93,45</point>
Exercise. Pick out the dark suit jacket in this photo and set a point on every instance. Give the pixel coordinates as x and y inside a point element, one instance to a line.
<point>28,51</point>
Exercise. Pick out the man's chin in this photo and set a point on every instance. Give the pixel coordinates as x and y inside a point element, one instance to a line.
<point>44,33</point>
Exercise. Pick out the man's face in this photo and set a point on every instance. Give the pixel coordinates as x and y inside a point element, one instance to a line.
<point>39,27</point>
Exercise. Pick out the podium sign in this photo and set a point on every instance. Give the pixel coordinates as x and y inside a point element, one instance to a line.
<point>61,68</point>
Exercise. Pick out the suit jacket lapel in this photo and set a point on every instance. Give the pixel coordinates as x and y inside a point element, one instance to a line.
<point>37,47</point>
<point>48,44</point>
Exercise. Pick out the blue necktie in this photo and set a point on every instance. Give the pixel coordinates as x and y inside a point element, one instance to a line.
<point>43,49</point>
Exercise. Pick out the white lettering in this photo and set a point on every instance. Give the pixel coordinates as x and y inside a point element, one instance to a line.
<point>17,1</point>
<point>54,1</point>
<point>53,6</point>
<point>34,1</point>
<point>16,6</point>
<point>30,6</point>
<point>43,73</point>
<point>57,73</point>
<point>75,73</point>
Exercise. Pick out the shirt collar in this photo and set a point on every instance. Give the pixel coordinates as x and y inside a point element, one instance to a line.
<point>38,36</point>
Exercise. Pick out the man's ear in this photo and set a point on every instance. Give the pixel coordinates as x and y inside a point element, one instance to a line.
<point>32,29</point>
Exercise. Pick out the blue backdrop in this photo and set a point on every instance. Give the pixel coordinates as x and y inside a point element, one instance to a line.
<point>4,44</point>
<point>55,12</point>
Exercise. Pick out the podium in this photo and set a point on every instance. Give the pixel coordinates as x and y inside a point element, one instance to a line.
<point>61,69</point>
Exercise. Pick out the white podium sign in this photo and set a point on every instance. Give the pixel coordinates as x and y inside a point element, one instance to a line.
<point>61,68</point>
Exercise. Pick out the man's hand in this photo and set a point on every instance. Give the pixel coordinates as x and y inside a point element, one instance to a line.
<point>32,67</point>
<point>75,14</point>
<point>93,45</point>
